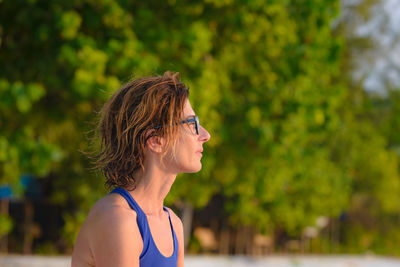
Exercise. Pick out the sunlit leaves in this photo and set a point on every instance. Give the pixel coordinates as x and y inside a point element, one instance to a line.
<point>69,24</point>
<point>19,95</point>
<point>264,78</point>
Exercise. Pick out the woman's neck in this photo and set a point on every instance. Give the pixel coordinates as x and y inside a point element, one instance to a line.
<point>151,190</point>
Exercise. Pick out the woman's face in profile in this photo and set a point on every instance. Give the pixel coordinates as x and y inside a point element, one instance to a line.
<point>189,146</point>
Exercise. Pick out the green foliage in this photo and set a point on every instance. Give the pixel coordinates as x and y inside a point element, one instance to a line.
<point>6,225</point>
<point>72,226</point>
<point>287,142</point>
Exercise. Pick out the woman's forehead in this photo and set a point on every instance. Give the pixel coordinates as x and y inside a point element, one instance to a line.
<point>188,110</point>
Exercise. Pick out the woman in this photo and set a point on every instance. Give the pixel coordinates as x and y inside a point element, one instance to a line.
<point>149,134</point>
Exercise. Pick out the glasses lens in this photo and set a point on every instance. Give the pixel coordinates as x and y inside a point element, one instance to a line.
<point>197,124</point>
<point>193,123</point>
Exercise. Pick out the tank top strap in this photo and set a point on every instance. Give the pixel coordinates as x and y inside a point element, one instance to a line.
<point>141,216</point>
<point>169,217</point>
<point>150,255</point>
<point>176,245</point>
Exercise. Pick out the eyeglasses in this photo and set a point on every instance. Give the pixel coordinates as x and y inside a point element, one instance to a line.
<point>194,120</point>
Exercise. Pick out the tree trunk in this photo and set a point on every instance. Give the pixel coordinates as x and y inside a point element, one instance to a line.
<point>187,218</point>
<point>4,206</point>
<point>28,227</point>
<point>240,243</point>
<point>224,241</point>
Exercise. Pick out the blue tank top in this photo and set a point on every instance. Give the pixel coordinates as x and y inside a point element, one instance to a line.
<point>150,255</point>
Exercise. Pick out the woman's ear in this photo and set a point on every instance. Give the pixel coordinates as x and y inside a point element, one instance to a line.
<point>154,142</point>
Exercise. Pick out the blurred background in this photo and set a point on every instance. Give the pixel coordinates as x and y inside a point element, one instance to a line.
<point>301,98</point>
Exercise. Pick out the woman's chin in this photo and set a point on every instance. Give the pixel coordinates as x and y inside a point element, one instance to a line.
<point>194,169</point>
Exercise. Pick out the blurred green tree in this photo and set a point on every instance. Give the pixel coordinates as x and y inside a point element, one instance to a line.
<point>371,157</point>
<point>287,144</point>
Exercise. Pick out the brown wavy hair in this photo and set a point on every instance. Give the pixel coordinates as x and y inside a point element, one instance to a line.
<point>149,103</point>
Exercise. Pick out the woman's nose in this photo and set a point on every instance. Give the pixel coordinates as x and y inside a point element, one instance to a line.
<point>204,134</point>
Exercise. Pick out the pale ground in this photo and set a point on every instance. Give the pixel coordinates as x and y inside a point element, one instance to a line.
<point>222,261</point>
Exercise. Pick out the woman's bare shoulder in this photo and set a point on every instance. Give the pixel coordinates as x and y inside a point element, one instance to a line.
<point>114,233</point>
<point>111,204</point>
<point>112,212</point>
<point>110,232</point>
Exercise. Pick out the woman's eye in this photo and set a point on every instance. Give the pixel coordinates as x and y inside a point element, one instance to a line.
<point>192,126</point>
